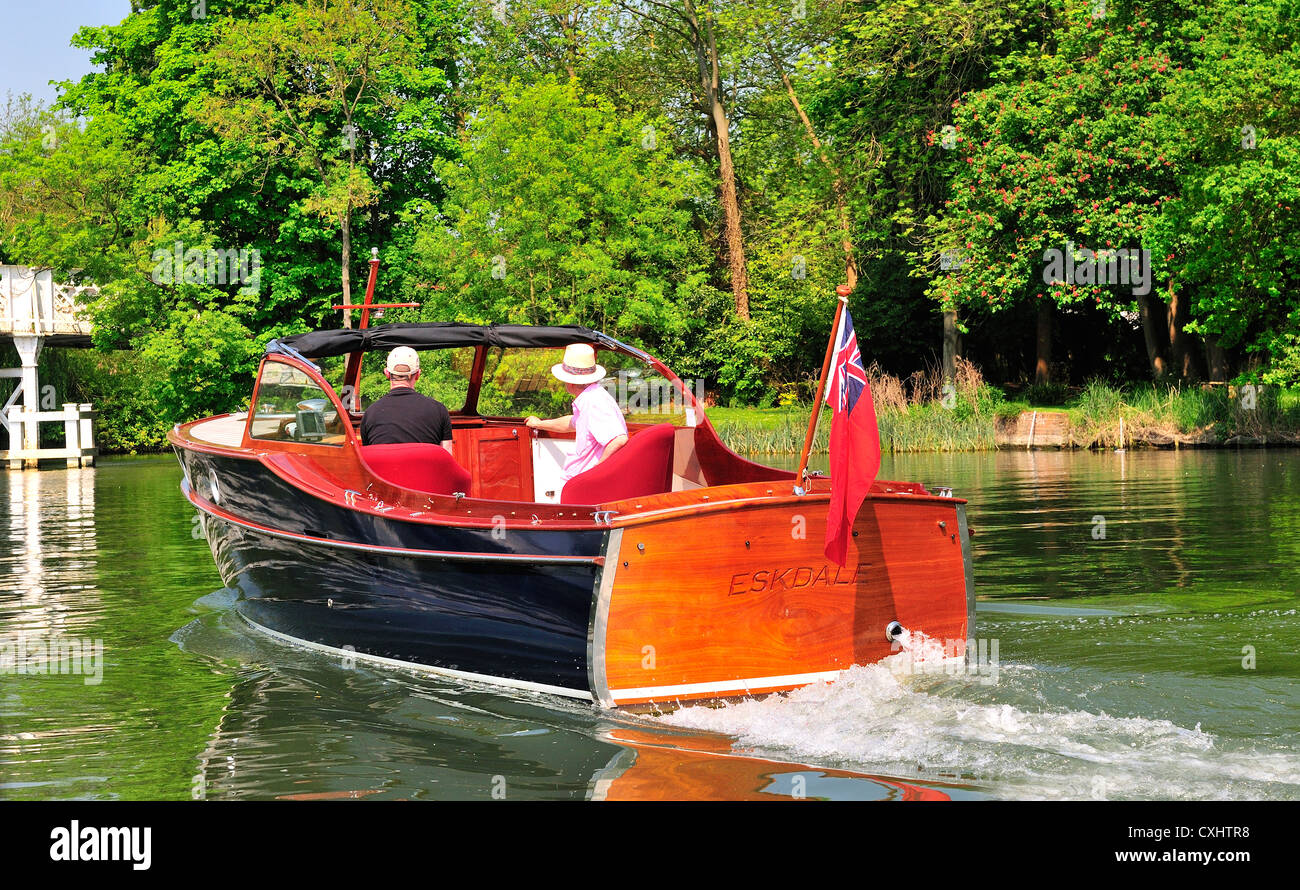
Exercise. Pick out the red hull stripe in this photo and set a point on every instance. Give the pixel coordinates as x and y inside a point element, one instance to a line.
<point>446,555</point>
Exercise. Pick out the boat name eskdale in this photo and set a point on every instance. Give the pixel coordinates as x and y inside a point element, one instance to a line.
<point>90,844</point>
<point>790,578</point>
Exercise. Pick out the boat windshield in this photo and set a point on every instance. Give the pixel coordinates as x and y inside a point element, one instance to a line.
<point>517,382</point>
<point>290,407</point>
<point>444,375</point>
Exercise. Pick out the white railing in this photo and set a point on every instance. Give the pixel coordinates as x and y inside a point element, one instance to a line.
<point>23,426</point>
<point>32,303</point>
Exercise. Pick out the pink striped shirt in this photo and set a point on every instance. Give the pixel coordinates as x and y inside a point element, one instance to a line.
<point>597,421</point>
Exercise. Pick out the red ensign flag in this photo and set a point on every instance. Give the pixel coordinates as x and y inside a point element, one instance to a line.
<point>855,440</point>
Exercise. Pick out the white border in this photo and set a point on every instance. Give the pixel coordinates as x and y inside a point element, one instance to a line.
<point>737,687</point>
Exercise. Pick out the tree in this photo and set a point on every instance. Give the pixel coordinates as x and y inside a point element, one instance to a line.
<point>1129,135</point>
<point>1055,168</point>
<point>65,193</point>
<point>697,27</point>
<point>892,73</point>
<point>1230,122</point>
<point>310,81</point>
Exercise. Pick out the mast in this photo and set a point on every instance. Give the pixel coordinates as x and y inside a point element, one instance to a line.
<point>352,376</point>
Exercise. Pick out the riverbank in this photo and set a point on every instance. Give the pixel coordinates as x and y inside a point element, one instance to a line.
<point>916,414</point>
<point>920,415</point>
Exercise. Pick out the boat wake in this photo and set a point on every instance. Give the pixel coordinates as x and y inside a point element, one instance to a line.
<point>924,713</point>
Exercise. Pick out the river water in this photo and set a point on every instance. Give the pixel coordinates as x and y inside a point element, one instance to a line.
<point>1143,606</point>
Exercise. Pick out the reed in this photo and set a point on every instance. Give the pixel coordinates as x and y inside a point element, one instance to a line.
<point>916,413</point>
<point>1163,411</point>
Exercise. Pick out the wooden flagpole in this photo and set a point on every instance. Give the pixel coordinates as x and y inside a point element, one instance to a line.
<point>843,291</point>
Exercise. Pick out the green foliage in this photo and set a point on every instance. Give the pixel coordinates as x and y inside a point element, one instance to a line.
<point>1099,401</point>
<point>1060,153</point>
<point>558,213</point>
<point>1168,409</point>
<point>553,161</point>
<point>66,192</point>
<point>1046,394</point>
<point>893,74</point>
<point>1231,235</point>
<point>200,363</point>
<point>130,420</point>
<point>1132,131</point>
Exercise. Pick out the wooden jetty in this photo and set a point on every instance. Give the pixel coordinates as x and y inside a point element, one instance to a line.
<point>36,311</point>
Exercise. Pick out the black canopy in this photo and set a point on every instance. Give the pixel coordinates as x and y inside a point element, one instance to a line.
<point>439,335</point>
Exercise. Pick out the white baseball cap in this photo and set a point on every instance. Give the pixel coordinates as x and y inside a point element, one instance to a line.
<point>403,360</point>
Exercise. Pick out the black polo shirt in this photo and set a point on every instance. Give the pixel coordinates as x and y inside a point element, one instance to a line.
<point>405,415</point>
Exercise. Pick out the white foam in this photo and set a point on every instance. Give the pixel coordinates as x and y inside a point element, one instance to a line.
<point>903,718</point>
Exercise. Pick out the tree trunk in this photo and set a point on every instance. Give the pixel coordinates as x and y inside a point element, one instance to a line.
<point>705,46</point>
<point>731,210</point>
<point>1151,334</point>
<point>837,186</point>
<point>1043,369</point>
<point>569,25</point>
<point>1180,348</point>
<point>1216,359</point>
<point>347,267</point>
<point>950,346</point>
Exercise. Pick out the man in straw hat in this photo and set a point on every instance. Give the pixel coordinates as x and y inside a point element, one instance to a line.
<point>596,419</point>
<point>404,415</point>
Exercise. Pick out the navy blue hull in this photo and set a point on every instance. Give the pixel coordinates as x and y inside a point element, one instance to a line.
<point>518,621</point>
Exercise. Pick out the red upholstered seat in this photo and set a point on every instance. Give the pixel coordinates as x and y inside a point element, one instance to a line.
<point>417,465</point>
<point>642,467</point>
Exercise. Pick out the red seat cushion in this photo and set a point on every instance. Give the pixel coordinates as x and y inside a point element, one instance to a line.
<point>643,466</point>
<point>417,465</point>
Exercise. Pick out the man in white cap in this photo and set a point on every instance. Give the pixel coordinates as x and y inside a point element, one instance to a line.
<point>596,419</point>
<point>404,415</point>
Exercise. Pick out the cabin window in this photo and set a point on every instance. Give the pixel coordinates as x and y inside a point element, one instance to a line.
<point>292,408</point>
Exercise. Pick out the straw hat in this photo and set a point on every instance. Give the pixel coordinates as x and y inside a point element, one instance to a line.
<point>579,365</point>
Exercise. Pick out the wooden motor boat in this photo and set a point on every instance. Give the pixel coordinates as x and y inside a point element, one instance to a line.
<point>674,571</point>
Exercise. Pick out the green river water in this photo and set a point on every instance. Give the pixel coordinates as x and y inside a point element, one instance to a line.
<point>1143,605</point>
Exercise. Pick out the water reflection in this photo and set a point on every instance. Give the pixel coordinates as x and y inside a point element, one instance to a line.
<point>659,764</point>
<point>300,726</point>
<point>47,568</point>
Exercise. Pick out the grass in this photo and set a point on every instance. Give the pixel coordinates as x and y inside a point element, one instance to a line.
<point>770,430</point>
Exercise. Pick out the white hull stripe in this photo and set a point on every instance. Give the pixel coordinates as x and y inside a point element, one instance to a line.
<point>419,668</point>
<point>722,687</point>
